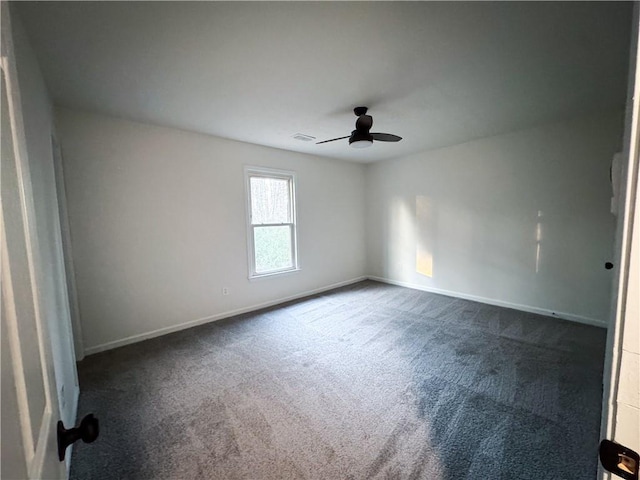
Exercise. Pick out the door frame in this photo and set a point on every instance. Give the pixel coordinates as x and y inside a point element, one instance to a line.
<point>627,209</point>
<point>67,252</point>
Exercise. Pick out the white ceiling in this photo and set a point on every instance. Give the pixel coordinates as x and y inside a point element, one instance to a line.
<point>434,73</point>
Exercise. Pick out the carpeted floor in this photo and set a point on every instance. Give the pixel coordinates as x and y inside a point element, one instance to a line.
<point>367,381</point>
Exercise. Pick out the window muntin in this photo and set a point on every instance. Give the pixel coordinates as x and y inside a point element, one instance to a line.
<point>271,225</point>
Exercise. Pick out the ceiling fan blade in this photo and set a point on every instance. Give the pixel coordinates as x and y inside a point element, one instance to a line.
<point>332,140</point>
<point>386,137</point>
<point>364,122</point>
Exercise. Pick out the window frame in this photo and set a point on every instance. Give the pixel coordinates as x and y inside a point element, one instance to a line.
<point>290,176</point>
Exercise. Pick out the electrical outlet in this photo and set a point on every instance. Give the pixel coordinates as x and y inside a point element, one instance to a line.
<point>225,291</point>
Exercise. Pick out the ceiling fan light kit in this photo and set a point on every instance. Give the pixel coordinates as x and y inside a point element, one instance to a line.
<point>360,137</point>
<point>361,143</point>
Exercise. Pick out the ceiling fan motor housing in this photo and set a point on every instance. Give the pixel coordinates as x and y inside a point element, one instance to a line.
<point>360,111</point>
<point>359,136</point>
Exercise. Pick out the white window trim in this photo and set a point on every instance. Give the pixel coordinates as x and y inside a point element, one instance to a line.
<point>250,171</point>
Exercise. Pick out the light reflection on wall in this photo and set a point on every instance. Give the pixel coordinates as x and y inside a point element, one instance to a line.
<point>424,236</point>
<point>538,240</point>
<point>402,237</point>
<point>411,238</point>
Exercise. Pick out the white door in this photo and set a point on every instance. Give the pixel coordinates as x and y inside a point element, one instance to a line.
<point>621,408</point>
<point>29,400</point>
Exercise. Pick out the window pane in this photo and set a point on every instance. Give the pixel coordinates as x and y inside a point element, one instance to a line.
<point>272,248</point>
<point>270,200</point>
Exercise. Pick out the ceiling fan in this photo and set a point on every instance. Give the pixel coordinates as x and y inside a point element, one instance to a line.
<point>360,137</point>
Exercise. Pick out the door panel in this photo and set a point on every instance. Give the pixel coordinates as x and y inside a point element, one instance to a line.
<point>29,401</point>
<point>17,267</point>
<point>13,464</point>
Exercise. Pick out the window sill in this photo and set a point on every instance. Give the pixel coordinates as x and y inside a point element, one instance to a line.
<point>262,276</point>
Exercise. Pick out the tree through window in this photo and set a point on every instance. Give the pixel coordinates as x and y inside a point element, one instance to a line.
<point>272,229</point>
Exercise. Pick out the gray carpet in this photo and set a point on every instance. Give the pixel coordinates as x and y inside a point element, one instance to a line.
<point>367,381</point>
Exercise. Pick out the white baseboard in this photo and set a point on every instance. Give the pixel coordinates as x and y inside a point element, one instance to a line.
<point>192,323</point>
<point>220,316</point>
<point>490,301</point>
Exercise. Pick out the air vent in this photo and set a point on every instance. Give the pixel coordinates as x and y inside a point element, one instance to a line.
<point>303,138</point>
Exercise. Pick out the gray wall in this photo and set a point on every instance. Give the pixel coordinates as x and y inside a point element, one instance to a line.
<point>158,226</point>
<point>158,223</point>
<point>519,220</point>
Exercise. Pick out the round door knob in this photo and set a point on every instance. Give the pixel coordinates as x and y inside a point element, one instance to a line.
<point>88,431</point>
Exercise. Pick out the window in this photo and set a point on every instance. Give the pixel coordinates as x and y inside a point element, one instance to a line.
<point>271,222</point>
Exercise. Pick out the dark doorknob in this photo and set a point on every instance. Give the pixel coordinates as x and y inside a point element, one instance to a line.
<point>608,265</point>
<point>88,431</point>
<point>618,459</point>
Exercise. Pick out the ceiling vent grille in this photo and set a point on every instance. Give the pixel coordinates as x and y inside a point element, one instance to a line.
<point>303,138</point>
